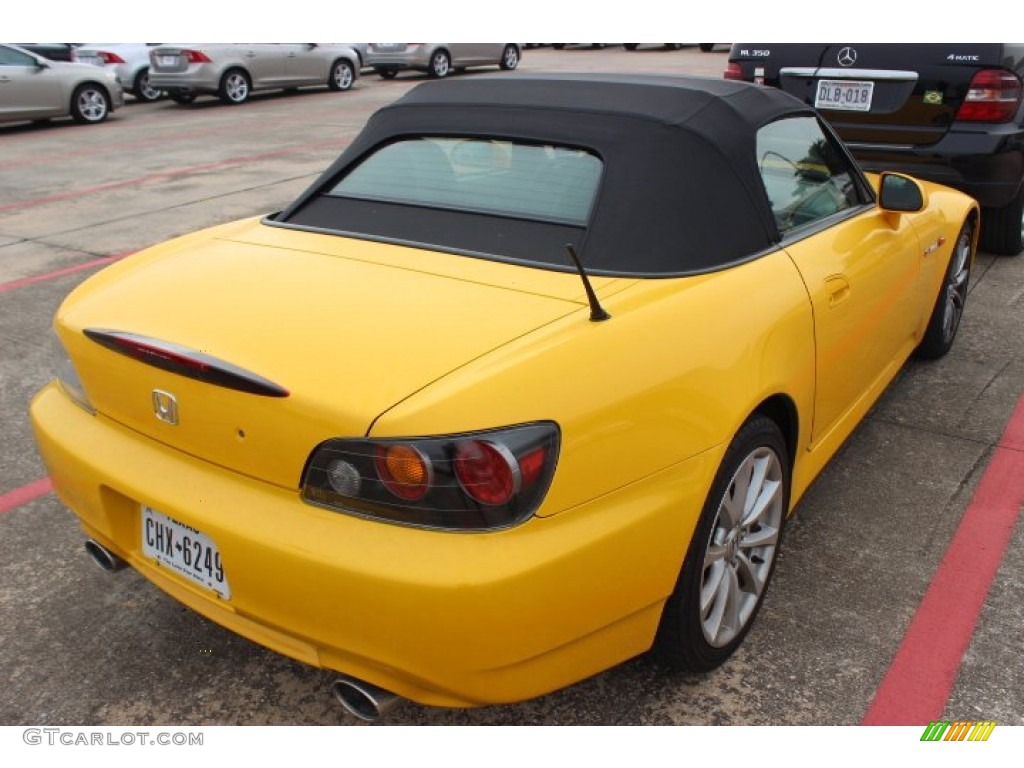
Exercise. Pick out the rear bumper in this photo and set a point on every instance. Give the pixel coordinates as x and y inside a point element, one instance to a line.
<point>200,80</point>
<point>418,59</point>
<point>988,166</point>
<point>441,618</point>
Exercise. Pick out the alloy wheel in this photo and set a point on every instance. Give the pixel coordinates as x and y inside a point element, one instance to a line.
<point>741,548</point>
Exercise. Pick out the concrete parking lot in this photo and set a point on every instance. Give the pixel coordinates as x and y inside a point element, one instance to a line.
<point>877,529</point>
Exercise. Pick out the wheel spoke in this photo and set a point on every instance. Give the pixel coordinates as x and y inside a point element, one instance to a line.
<point>765,536</point>
<point>712,583</point>
<point>750,574</point>
<point>759,468</point>
<point>769,493</point>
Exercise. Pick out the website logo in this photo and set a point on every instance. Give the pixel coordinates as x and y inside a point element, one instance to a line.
<point>958,730</point>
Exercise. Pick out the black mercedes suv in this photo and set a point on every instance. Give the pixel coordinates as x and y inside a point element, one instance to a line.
<point>946,112</point>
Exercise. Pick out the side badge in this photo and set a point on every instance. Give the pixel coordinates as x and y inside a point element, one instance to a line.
<point>165,406</point>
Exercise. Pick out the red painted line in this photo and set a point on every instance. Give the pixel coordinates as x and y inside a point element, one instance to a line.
<point>168,175</point>
<point>921,676</point>
<point>14,284</point>
<point>21,496</point>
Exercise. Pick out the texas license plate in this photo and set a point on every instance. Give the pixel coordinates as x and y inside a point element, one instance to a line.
<point>184,550</point>
<point>850,95</point>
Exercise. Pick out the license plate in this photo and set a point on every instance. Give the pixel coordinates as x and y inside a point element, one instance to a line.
<point>850,95</point>
<point>184,550</point>
<point>167,61</point>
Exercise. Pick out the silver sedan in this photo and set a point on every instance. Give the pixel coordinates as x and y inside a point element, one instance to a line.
<point>129,61</point>
<point>34,88</point>
<point>234,71</point>
<point>440,59</point>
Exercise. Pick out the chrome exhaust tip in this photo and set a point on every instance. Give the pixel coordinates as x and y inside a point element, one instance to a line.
<point>364,700</point>
<point>103,557</point>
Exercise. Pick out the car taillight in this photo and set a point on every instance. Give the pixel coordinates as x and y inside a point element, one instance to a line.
<point>993,97</point>
<point>196,57</point>
<point>733,71</point>
<point>476,481</point>
<point>110,58</point>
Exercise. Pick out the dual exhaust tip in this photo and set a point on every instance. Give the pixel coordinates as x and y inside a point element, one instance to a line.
<point>103,557</point>
<point>361,699</point>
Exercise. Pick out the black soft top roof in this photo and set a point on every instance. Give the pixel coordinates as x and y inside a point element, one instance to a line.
<point>680,191</point>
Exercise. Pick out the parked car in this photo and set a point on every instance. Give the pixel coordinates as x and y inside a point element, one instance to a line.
<point>498,402</point>
<point>234,71</point>
<point>440,59</point>
<point>948,112</point>
<point>35,88</point>
<point>129,61</point>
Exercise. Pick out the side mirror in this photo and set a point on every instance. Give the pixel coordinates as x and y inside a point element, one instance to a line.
<point>900,193</point>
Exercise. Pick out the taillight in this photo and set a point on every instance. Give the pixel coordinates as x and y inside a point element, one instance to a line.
<point>196,57</point>
<point>733,71</point>
<point>404,471</point>
<point>993,97</point>
<point>110,58</point>
<point>487,472</point>
<point>475,481</point>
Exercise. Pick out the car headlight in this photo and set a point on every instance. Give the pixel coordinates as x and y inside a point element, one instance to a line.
<point>67,376</point>
<point>474,481</point>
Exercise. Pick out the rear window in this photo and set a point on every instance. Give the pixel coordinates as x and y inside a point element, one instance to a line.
<point>526,181</point>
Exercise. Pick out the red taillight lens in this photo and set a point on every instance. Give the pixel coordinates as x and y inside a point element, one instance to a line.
<point>404,471</point>
<point>993,97</point>
<point>486,471</point>
<point>111,58</point>
<point>733,71</point>
<point>196,57</point>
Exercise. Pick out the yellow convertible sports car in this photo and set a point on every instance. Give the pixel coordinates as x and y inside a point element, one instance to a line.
<point>523,386</point>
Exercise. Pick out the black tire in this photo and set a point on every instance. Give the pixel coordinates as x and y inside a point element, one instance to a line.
<point>90,103</point>
<point>387,74</point>
<point>440,64</point>
<point>949,304</point>
<point>630,46</point>
<point>342,76</point>
<point>141,88</point>
<point>732,554</point>
<point>707,47</point>
<point>1002,229</point>
<point>181,97</point>
<point>510,57</point>
<point>235,87</point>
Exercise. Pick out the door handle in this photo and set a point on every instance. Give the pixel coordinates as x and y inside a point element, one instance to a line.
<point>838,290</point>
<point>5,79</point>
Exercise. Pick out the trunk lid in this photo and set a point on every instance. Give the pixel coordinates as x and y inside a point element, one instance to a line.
<point>349,328</point>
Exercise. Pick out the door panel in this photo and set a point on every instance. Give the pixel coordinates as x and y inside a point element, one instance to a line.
<point>863,277</point>
<point>28,92</point>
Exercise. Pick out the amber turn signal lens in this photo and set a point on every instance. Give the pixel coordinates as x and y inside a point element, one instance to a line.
<point>404,471</point>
